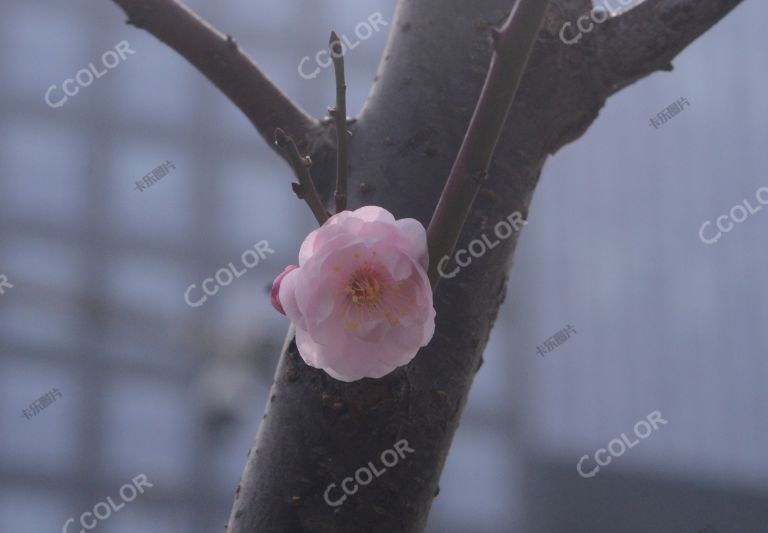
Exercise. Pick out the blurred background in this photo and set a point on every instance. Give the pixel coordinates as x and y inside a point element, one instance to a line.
<point>106,373</point>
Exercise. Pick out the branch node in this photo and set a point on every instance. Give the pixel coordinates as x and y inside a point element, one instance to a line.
<point>340,198</point>
<point>480,177</point>
<point>335,45</point>
<point>495,37</point>
<point>134,21</point>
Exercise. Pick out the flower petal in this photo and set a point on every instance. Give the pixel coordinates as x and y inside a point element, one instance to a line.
<point>371,213</point>
<point>417,235</point>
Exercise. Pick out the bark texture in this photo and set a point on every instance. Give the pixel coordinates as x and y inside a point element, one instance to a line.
<point>318,431</point>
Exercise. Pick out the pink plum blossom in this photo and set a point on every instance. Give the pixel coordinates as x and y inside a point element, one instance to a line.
<point>360,298</point>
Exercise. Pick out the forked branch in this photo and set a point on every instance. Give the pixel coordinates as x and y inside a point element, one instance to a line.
<point>305,188</point>
<point>646,38</point>
<point>512,46</point>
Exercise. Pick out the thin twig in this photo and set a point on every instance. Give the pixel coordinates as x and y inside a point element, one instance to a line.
<point>305,189</point>
<point>218,57</point>
<point>339,113</point>
<point>512,46</point>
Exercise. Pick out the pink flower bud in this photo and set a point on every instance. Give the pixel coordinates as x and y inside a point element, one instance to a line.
<point>275,294</point>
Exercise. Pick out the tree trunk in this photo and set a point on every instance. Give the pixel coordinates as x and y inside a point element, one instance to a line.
<point>318,431</point>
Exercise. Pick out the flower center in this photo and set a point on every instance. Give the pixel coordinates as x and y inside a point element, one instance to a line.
<point>364,287</point>
<point>369,294</point>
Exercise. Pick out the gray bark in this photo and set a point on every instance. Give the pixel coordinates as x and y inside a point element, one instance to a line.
<point>318,431</point>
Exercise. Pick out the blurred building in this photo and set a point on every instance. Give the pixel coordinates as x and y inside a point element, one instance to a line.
<point>146,384</point>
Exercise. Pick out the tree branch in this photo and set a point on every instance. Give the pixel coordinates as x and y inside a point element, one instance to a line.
<point>339,113</point>
<point>646,38</point>
<point>218,57</point>
<point>512,47</point>
<point>413,124</point>
<point>305,189</point>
